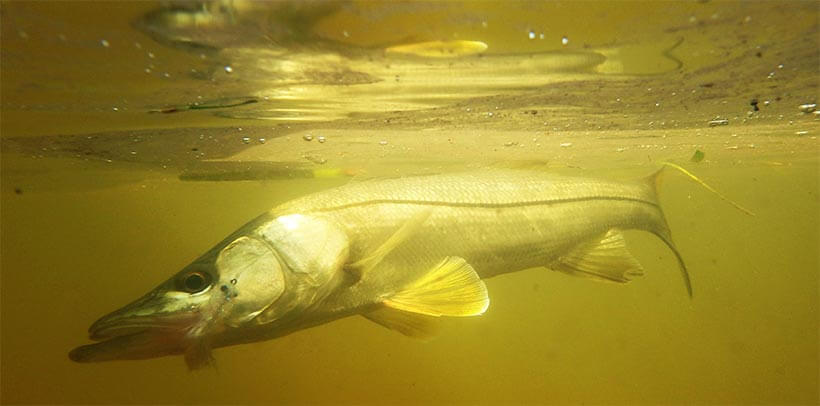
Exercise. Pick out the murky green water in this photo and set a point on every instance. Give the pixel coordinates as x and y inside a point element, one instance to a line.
<point>134,137</point>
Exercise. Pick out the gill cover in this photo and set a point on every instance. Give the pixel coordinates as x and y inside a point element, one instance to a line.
<point>314,250</point>
<point>250,279</point>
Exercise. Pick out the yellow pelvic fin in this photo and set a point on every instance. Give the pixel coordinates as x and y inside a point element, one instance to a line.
<point>410,324</point>
<point>413,224</point>
<point>451,288</point>
<point>439,49</point>
<point>603,259</point>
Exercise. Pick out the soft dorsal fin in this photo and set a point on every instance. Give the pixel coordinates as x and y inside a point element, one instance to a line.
<point>605,259</point>
<point>410,324</point>
<point>451,288</point>
<point>364,265</point>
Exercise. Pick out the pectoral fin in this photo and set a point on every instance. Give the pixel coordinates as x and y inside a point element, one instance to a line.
<point>364,265</point>
<point>451,288</point>
<point>410,324</point>
<point>604,259</point>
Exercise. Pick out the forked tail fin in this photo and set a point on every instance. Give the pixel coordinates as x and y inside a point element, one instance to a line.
<point>663,233</point>
<point>702,183</point>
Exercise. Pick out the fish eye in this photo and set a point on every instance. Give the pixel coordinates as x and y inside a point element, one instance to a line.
<point>194,282</point>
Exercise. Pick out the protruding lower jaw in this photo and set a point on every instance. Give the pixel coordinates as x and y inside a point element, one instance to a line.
<point>153,326</point>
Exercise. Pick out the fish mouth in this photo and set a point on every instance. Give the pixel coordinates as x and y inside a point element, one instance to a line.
<point>129,338</point>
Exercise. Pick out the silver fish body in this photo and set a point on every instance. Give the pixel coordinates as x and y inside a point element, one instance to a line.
<point>400,252</point>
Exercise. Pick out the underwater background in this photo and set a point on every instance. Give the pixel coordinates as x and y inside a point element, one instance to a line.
<point>136,135</point>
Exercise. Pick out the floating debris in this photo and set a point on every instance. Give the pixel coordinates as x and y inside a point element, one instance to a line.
<point>315,159</point>
<point>753,103</point>
<point>801,132</point>
<point>510,143</point>
<point>565,144</point>
<point>718,121</point>
<point>697,156</point>
<point>207,105</point>
<point>808,107</point>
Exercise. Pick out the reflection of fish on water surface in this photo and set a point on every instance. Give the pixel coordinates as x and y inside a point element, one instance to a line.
<point>400,252</point>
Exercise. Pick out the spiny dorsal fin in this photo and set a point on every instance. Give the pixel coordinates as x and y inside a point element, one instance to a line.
<point>364,265</point>
<point>410,324</point>
<point>604,259</point>
<point>451,288</point>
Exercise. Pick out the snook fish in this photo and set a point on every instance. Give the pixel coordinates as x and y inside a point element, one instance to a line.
<point>400,252</point>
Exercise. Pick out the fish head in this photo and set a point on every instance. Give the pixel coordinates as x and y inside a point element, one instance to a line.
<point>218,292</point>
<point>262,277</point>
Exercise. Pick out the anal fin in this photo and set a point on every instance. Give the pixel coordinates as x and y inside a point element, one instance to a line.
<point>451,288</point>
<point>605,259</point>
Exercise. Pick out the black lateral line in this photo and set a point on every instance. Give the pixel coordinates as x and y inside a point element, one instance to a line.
<point>489,205</point>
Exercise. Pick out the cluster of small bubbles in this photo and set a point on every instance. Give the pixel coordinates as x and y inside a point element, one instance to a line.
<point>321,139</point>
<point>104,43</point>
<point>246,140</point>
<point>307,137</point>
<point>564,40</point>
<point>228,69</point>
